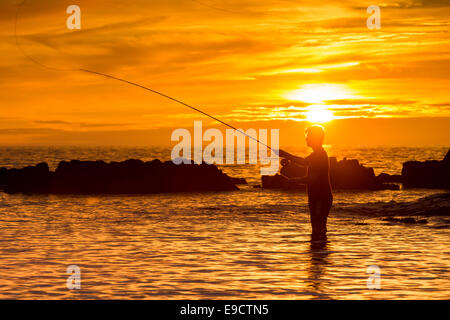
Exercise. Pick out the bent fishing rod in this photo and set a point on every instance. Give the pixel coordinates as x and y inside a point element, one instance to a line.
<point>177,101</point>
<point>35,61</point>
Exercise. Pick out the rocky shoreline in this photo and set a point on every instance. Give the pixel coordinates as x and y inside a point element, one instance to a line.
<point>127,177</point>
<point>138,177</point>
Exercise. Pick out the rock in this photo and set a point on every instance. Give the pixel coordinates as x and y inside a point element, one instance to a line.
<point>237,181</point>
<point>344,174</point>
<point>388,178</point>
<point>350,174</point>
<point>128,177</point>
<point>427,174</point>
<point>3,176</point>
<point>27,180</point>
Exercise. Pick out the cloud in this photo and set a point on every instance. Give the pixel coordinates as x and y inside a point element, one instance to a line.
<point>370,102</point>
<point>430,3</point>
<point>27,131</point>
<point>235,58</point>
<point>84,124</point>
<point>412,4</point>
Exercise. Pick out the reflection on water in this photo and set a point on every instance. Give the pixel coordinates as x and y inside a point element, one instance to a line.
<point>317,266</point>
<point>245,245</point>
<point>251,244</point>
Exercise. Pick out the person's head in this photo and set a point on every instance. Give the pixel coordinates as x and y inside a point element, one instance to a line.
<point>315,136</point>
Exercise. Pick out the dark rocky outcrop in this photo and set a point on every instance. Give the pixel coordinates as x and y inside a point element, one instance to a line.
<point>128,177</point>
<point>344,174</point>
<point>427,174</point>
<point>350,174</point>
<point>237,181</point>
<point>30,179</point>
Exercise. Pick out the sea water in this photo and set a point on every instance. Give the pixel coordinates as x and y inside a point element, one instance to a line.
<point>247,244</point>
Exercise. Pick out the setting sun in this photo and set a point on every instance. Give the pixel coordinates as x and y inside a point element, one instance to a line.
<point>319,115</point>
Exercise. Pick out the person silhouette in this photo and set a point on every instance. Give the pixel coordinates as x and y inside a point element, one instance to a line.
<point>320,196</point>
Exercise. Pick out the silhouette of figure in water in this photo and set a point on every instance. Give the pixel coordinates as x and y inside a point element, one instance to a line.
<point>317,268</point>
<point>320,197</point>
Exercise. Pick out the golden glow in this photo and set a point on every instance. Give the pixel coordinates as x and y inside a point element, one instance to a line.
<point>258,60</point>
<point>297,70</point>
<point>319,115</point>
<point>341,65</point>
<point>317,93</point>
<point>315,69</point>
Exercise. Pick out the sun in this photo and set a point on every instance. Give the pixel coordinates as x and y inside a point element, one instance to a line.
<point>319,115</point>
<point>318,93</point>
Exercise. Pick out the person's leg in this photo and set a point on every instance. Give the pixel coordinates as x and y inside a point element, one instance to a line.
<point>314,213</point>
<point>324,212</point>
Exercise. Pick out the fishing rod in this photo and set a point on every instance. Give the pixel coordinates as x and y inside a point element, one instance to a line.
<point>176,100</point>
<point>127,82</point>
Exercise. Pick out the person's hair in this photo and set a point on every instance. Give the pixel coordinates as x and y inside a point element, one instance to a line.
<point>316,133</point>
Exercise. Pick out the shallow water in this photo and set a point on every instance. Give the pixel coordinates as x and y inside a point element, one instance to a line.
<point>212,245</point>
<point>248,244</point>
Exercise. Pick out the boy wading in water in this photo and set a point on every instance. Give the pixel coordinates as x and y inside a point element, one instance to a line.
<point>320,197</point>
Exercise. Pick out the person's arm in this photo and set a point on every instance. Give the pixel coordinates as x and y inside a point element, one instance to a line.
<point>310,178</point>
<point>299,180</point>
<point>297,160</point>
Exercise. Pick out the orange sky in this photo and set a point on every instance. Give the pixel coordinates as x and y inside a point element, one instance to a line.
<point>254,63</point>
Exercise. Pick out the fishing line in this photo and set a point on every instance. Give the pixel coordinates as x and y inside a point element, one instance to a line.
<point>173,99</point>
<point>124,81</point>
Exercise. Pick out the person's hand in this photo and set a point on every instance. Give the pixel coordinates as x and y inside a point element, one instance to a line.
<point>290,182</point>
<point>284,162</point>
<point>285,177</point>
